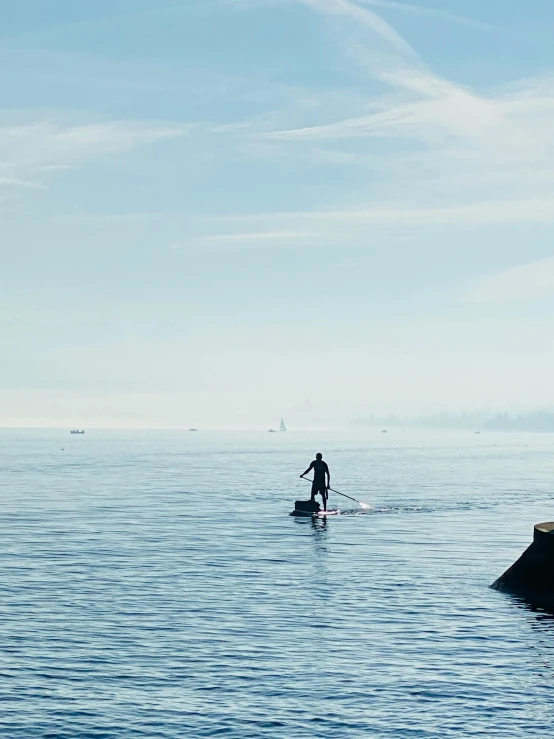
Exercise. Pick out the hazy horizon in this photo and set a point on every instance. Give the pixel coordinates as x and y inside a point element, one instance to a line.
<point>440,421</point>
<point>221,213</point>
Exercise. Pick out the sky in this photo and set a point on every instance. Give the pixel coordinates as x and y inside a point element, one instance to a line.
<point>218,213</point>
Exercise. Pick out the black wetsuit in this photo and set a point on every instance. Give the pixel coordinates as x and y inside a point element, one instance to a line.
<point>319,484</point>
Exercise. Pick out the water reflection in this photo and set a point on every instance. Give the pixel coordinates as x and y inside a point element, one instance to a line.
<point>541,608</point>
<point>319,524</point>
<point>541,621</point>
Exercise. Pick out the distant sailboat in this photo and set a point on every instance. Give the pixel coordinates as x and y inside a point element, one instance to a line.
<point>282,427</point>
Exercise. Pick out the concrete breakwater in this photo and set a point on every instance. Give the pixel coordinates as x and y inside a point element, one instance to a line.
<point>532,576</point>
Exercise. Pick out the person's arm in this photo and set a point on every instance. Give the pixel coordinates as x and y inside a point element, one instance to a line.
<point>328,476</point>
<point>309,468</point>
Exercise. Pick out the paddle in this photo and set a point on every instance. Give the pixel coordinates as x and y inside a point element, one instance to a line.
<point>359,502</point>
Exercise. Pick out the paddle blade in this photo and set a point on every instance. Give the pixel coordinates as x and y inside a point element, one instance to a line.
<point>364,506</point>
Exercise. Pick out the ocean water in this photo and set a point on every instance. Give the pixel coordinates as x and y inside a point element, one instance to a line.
<point>153,585</point>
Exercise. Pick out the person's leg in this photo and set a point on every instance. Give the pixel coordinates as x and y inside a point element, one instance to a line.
<point>323,492</point>
<point>314,491</point>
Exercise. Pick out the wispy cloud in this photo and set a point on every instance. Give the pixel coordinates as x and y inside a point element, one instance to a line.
<point>478,211</point>
<point>360,226</point>
<point>363,16</point>
<point>354,227</point>
<point>448,151</point>
<point>15,182</point>
<point>523,282</point>
<point>457,113</point>
<point>435,151</point>
<point>262,236</point>
<point>425,12</point>
<point>30,150</point>
<point>395,62</point>
<point>409,8</point>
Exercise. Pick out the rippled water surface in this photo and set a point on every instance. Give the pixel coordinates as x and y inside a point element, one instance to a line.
<point>153,585</point>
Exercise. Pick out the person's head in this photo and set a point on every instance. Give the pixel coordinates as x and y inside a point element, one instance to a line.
<point>319,455</point>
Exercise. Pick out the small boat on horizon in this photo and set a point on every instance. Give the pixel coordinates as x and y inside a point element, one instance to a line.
<point>191,429</point>
<point>282,427</point>
<point>75,431</point>
<point>271,431</point>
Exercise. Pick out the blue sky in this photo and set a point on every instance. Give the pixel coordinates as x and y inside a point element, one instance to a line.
<point>216,213</point>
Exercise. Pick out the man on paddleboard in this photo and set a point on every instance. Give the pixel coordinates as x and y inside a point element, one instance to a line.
<point>319,485</point>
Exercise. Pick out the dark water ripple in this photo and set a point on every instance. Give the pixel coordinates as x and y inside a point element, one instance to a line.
<point>153,585</point>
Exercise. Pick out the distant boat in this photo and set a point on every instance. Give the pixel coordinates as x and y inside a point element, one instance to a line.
<point>76,432</point>
<point>282,427</point>
<point>384,431</point>
<point>272,431</point>
<point>193,429</point>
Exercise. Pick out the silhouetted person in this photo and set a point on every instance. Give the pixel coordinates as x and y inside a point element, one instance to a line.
<point>319,484</point>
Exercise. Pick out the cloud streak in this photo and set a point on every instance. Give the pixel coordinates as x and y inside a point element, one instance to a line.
<point>365,17</point>
<point>523,282</point>
<point>425,12</point>
<point>30,150</point>
<point>408,8</point>
<point>359,227</point>
<point>394,61</point>
<point>449,151</point>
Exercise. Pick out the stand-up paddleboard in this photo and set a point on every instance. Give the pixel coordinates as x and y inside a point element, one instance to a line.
<point>308,508</point>
<point>332,512</point>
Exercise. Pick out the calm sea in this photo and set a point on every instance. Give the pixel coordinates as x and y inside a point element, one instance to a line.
<point>153,585</point>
